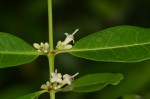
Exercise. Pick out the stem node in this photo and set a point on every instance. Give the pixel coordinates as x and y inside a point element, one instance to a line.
<point>51,54</point>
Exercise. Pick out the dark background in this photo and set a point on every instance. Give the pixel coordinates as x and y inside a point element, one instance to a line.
<point>27,19</point>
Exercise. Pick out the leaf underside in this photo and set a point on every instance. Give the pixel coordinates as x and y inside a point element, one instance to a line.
<point>93,82</point>
<point>116,44</point>
<point>14,51</point>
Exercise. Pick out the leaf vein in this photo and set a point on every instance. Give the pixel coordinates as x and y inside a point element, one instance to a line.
<point>105,48</point>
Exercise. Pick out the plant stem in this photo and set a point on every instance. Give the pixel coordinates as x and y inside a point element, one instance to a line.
<point>52,95</point>
<point>50,20</point>
<point>51,69</point>
<point>51,55</point>
<point>51,63</point>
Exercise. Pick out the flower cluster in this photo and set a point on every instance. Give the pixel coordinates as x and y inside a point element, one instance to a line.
<point>42,47</point>
<point>58,81</point>
<point>46,86</point>
<point>65,44</point>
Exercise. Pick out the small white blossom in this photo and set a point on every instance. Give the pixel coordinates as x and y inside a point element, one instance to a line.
<point>65,44</point>
<point>56,77</point>
<point>68,78</point>
<point>45,86</point>
<point>42,47</point>
<point>61,45</point>
<point>70,37</point>
<point>57,87</point>
<point>57,82</point>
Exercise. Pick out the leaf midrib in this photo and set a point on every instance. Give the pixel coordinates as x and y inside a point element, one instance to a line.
<point>17,53</point>
<point>91,84</point>
<point>104,48</point>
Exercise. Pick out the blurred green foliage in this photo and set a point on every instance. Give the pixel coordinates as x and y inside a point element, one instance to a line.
<point>27,19</point>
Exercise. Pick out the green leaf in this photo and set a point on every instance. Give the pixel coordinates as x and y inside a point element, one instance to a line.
<point>34,95</point>
<point>93,82</point>
<point>116,44</point>
<point>14,51</point>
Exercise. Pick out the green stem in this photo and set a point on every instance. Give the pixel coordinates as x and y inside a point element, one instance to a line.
<point>51,63</point>
<point>51,58</point>
<point>51,69</point>
<point>52,95</point>
<point>51,55</point>
<point>50,20</point>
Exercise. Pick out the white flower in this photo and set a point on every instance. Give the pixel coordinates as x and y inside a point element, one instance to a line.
<point>70,37</point>
<point>61,45</point>
<point>65,44</point>
<point>67,79</point>
<point>42,47</point>
<point>57,82</point>
<point>56,77</point>
<point>45,86</point>
<point>57,87</point>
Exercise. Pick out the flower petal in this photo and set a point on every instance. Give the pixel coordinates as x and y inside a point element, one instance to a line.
<point>36,45</point>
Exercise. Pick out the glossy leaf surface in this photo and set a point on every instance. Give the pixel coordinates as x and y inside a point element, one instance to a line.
<point>14,51</point>
<point>116,44</point>
<point>93,82</point>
